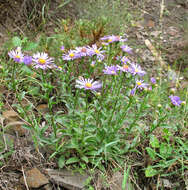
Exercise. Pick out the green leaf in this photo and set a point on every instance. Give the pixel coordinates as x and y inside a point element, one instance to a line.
<point>85,159</point>
<point>72,160</point>
<point>93,153</point>
<point>165,150</point>
<point>61,161</point>
<point>33,90</point>
<point>17,41</point>
<point>151,153</point>
<point>25,69</point>
<point>150,172</point>
<point>154,142</point>
<point>31,46</point>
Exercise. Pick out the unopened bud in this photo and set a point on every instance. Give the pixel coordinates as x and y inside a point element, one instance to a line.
<point>98,94</point>
<point>172,90</point>
<point>183,102</point>
<point>159,105</point>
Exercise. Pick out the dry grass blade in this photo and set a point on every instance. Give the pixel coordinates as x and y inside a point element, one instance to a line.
<point>155,53</point>
<point>25,181</point>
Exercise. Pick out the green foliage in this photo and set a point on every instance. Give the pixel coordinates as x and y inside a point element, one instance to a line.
<point>86,128</point>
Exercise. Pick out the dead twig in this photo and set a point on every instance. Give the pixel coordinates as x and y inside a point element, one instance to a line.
<point>24,177</point>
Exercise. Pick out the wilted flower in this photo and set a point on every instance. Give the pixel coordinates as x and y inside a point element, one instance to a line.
<point>136,69</point>
<point>27,60</point>
<point>42,61</point>
<point>110,70</point>
<point>126,48</point>
<point>93,63</point>
<point>16,55</point>
<point>88,84</point>
<point>175,100</point>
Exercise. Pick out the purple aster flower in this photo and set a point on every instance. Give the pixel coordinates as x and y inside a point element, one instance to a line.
<point>132,93</point>
<point>42,61</point>
<point>59,68</point>
<point>136,69</point>
<point>16,55</point>
<point>27,60</point>
<point>126,49</point>
<point>153,80</point>
<point>175,100</point>
<point>140,84</point>
<point>150,88</point>
<point>113,38</point>
<point>110,70</point>
<point>81,51</point>
<point>88,84</point>
<point>125,60</point>
<point>104,43</point>
<point>124,68</point>
<point>96,51</point>
<point>62,48</point>
<point>72,54</point>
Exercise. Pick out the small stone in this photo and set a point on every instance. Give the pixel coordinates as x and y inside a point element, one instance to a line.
<point>150,23</point>
<point>172,31</point>
<point>42,108</point>
<point>13,124</point>
<point>155,33</point>
<point>48,187</point>
<point>34,178</point>
<point>68,179</point>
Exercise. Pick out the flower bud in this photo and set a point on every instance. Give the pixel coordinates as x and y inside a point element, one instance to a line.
<point>172,90</point>
<point>183,102</point>
<point>159,105</point>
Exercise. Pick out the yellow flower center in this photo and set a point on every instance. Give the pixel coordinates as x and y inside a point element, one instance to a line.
<point>97,51</point>
<point>17,56</point>
<point>136,70</point>
<point>41,61</point>
<point>109,40</point>
<point>71,54</point>
<point>88,84</point>
<point>125,67</point>
<point>139,83</point>
<point>113,72</point>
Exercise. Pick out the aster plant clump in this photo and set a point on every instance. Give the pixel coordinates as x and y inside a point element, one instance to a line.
<point>101,103</point>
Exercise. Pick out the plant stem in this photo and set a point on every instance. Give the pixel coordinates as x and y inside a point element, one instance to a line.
<point>13,77</point>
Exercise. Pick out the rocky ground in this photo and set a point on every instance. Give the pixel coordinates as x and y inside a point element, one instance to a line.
<point>159,28</point>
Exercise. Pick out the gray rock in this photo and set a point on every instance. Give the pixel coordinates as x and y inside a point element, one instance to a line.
<point>68,179</point>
